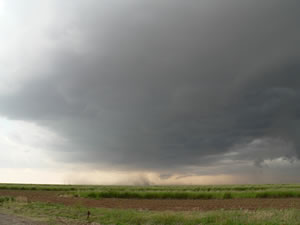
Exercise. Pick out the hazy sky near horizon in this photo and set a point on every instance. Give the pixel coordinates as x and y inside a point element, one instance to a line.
<point>149,92</point>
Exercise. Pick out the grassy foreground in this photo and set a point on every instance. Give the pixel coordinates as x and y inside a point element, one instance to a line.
<point>58,214</point>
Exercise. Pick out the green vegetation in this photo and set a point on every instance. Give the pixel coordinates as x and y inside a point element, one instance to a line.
<point>148,195</point>
<point>278,194</point>
<point>189,194</point>
<point>168,192</point>
<point>178,188</point>
<point>4,199</point>
<point>44,187</point>
<point>59,214</point>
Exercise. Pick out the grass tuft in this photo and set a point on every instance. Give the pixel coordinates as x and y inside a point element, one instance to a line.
<point>4,199</point>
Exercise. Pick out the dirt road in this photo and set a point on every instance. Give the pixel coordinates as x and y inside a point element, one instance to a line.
<point>158,204</point>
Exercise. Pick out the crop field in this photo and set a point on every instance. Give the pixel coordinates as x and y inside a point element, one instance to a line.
<point>210,204</point>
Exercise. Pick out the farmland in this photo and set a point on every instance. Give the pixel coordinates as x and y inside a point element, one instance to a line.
<point>211,204</point>
<point>168,192</point>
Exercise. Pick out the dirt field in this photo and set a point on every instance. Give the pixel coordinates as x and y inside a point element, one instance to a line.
<point>6,219</point>
<point>153,204</point>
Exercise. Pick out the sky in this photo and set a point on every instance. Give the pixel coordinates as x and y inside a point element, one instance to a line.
<point>149,92</point>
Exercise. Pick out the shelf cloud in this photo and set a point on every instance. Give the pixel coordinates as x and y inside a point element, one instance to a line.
<point>202,88</point>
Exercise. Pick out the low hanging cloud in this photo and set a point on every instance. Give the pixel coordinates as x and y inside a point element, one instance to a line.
<point>158,86</point>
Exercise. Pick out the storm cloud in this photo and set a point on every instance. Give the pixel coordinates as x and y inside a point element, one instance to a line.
<point>165,86</point>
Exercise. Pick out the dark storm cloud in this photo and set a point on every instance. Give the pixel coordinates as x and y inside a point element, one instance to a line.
<point>167,84</point>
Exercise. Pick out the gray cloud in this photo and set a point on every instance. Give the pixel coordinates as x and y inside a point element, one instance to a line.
<point>166,85</point>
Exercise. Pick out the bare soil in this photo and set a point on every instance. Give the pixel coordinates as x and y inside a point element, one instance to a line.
<point>156,204</point>
<point>7,219</point>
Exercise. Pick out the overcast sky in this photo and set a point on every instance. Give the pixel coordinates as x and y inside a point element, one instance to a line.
<point>149,92</point>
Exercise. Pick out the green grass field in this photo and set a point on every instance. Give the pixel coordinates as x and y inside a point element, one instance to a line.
<point>52,214</point>
<point>169,192</point>
<point>272,193</point>
<point>59,214</point>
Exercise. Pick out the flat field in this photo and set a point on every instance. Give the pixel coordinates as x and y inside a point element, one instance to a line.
<point>218,204</point>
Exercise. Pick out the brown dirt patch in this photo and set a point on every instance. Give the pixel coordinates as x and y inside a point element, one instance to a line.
<point>8,219</point>
<point>157,204</point>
